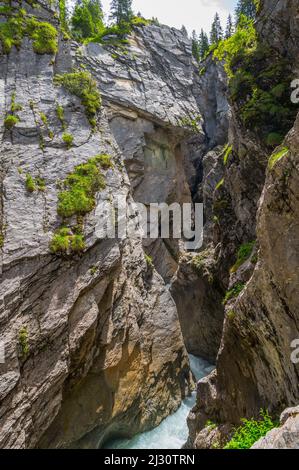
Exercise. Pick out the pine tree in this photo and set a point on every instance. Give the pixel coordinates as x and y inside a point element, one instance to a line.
<point>203,44</point>
<point>216,32</point>
<point>121,11</point>
<point>87,19</point>
<point>245,7</point>
<point>195,46</point>
<point>184,31</point>
<point>229,27</point>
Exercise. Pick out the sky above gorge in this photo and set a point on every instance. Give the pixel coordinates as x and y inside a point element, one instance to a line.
<point>194,14</point>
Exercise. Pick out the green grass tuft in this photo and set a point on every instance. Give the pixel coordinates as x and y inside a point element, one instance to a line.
<point>251,431</point>
<point>84,86</point>
<point>244,254</point>
<point>277,156</point>
<point>68,139</point>
<point>233,292</point>
<point>24,342</point>
<point>10,121</point>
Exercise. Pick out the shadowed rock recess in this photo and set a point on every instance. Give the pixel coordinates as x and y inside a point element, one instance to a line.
<point>96,331</point>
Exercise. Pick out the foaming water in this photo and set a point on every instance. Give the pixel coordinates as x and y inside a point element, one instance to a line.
<point>172,433</point>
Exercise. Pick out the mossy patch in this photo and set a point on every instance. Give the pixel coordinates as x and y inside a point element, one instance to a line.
<point>233,292</point>
<point>84,86</point>
<point>24,342</point>
<point>277,156</point>
<point>227,152</point>
<point>251,431</point>
<point>81,187</point>
<point>78,199</point>
<point>11,121</point>
<point>68,139</point>
<point>244,254</point>
<point>17,25</point>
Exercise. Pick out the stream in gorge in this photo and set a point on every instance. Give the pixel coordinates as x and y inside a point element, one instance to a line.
<point>172,433</point>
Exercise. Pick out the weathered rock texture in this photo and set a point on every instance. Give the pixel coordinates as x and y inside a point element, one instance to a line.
<point>284,437</point>
<point>153,96</point>
<point>106,353</point>
<point>254,367</point>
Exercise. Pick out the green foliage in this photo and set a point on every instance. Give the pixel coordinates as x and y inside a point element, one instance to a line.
<point>68,139</point>
<point>60,115</point>
<point>149,261</point>
<point>24,342</point>
<point>244,254</point>
<point>1,239</point>
<point>84,86</point>
<point>192,123</point>
<point>220,184</point>
<point>77,243</point>
<point>44,36</point>
<point>87,19</point>
<point>247,8</point>
<point>17,26</point>
<point>40,183</point>
<point>10,121</point>
<point>210,424</point>
<point>78,198</point>
<point>233,292</point>
<point>139,21</point>
<point>61,241</point>
<point>63,15</point>
<point>231,315</point>
<point>277,156</point>
<point>259,81</point>
<point>273,139</point>
<point>44,119</point>
<point>241,43</point>
<point>216,34</point>
<point>251,431</point>
<point>30,184</point>
<point>227,152</point>
<point>121,11</point>
<point>104,161</point>
<point>34,184</point>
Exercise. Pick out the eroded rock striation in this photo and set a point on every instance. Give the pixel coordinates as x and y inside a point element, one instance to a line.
<point>259,196</point>
<point>93,345</point>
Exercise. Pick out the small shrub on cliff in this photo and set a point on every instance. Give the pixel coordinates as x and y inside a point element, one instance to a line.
<point>251,431</point>
<point>44,36</point>
<point>259,83</point>
<point>68,139</point>
<point>80,189</point>
<point>227,152</point>
<point>149,261</point>
<point>233,292</point>
<point>277,156</point>
<point>24,342</point>
<point>10,121</point>
<point>84,86</point>
<point>244,254</point>
<point>60,115</point>
<point>17,26</point>
<point>30,184</point>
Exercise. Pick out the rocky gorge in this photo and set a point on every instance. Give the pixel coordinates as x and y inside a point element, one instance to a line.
<point>97,332</point>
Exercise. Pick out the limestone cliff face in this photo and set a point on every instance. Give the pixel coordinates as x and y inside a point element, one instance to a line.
<point>254,368</point>
<point>92,340</point>
<point>156,106</point>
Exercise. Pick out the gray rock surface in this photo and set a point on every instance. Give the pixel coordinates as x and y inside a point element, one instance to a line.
<point>106,354</point>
